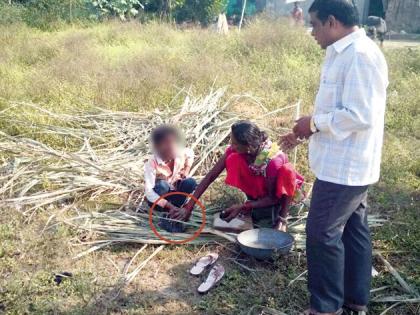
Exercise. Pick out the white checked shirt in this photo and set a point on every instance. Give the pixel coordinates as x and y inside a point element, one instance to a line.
<point>349,113</point>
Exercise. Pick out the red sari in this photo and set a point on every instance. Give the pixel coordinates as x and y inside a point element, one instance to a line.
<point>239,175</point>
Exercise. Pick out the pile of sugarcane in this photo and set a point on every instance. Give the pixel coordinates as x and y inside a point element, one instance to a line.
<point>99,152</point>
<point>93,153</point>
<point>133,227</point>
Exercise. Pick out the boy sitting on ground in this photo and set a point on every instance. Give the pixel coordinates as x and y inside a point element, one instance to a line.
<point>167,170</point>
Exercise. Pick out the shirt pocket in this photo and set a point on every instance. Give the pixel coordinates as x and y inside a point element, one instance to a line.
<point>327,97</point>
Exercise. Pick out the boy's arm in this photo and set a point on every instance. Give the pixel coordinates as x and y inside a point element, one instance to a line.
<point>149,185</point>
<point>189,160</point>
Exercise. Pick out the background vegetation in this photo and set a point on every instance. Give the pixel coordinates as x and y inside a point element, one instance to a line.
<point>51,14</point>
<point>136,67</point>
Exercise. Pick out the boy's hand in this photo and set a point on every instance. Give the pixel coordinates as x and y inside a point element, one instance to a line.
<point>184,172</point>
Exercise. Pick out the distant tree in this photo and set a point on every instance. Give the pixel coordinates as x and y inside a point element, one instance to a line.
<point>122,9</point>
<point>44,13</point>
<point>47,13</point>
<point>203,11</point>
<point>162,8</point>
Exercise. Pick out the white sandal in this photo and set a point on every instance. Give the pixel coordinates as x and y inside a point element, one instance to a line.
<point>215,275</point>
<point>203,263</point>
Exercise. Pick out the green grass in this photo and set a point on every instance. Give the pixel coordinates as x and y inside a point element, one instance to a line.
<point>141,67</point>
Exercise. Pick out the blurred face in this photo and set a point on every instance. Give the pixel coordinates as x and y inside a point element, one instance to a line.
<point>323,32</point>
<point>237,147</point>
<point>168,147</point>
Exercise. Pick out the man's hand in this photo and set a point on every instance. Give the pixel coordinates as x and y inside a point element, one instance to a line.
<point>302,129</point>
<point>232,212</point>
<point>289,141</point>
<point>179,214</point>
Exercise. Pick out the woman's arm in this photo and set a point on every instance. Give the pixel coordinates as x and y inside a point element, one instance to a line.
<point>206,182</point>
<point>262,203</point>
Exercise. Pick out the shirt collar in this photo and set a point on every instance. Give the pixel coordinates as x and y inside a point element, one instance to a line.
<point>159,160</point>
<point>346,41</point>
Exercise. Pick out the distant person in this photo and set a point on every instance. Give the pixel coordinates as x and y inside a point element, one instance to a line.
<point>168,170</point>
<point>377,28</point>
<point>345,135</point>
<point>297,15</point>
<point>222,24</point>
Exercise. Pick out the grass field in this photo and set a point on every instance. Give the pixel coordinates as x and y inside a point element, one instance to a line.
<point>136,67</point>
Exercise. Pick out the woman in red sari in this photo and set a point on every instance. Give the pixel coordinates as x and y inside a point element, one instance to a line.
<point>257,167</point>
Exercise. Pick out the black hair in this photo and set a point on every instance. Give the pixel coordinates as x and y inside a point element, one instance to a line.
<point>343,10</point>
<point>248,133</point>
<point>161,132</point>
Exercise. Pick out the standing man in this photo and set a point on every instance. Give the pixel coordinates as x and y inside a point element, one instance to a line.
<point>346,135</point>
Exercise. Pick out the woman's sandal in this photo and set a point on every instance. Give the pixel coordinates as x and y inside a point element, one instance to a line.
<point>203,263</point>
<point>215,275</point>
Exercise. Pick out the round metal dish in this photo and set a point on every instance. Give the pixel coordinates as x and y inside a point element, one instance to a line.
<point>263,243</point>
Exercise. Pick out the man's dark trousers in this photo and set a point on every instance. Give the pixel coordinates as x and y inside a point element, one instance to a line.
<point>338,246</point>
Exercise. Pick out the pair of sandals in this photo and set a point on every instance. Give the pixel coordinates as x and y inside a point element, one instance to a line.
<point>216,273</point>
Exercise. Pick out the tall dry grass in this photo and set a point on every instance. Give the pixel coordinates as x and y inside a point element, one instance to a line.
<point>136,67</point>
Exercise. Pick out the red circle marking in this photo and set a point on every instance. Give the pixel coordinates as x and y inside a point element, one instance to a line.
<point>196,233</point>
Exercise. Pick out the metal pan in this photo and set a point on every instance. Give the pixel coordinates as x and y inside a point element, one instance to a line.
<point>263,243</point>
